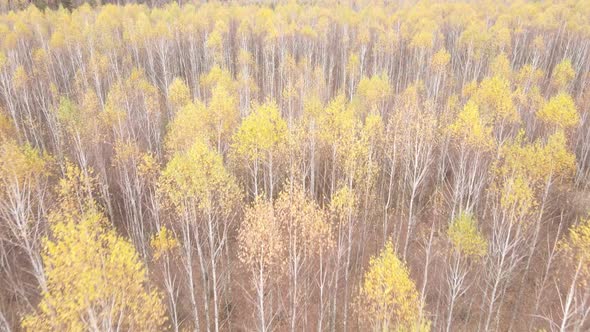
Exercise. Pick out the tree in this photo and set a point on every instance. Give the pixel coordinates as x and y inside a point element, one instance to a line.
<point>343,209</point>
<point>560,112</point>
<point>165,245</point>
<point>260,139</point>
<point>308,236</point>
<point>473,141</point>
<point>222,115</point>
<point>373,93</point>
<point>418,143</point>
<point>81,122</point>
<point>261,250</point>
<point>494,98</point>
<point>576,256</point>
<point>525,174</point>
<point>24,183</point>
<point>563,74</point>
<point>217,76</point>
<point>338,129</point>
<point>471,129</point>
<point>205,197</point>
<point>95,280</point>
<point>388,122</point>
<point>500,67</point>
<point>132,111</point>
<point>179,94</point>
<point>440,64</point>
<point>186,127</point>
<point>132,167</point>
<point>468,246</point>
<point>388,298</point>
<point>465,237</point>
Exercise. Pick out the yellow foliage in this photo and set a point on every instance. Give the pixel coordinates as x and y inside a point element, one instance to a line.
<point>494,98</point>
<point>343,203</point>
<point>470,128</point>
<point>577,249</point>
<point>199,177</point>
<point>312,108</point>
<point>539,160</point>
<point>7,129</point>
<point>524,169</point>
<point>388,298</point>
<point>374,91</point>
<point>517,195</point>
<point>337,122</point>
<point>529,75</point>
<point>539,43</point>
<point>374,130</point>
<point>187,127</point>
<point>353,64</point>
<point>441,60</point>
<point>563,74</point>
<point>22,166</point>
<point>163,243</point>
<point>465,237</point>
<point>3,60</point>
<point>500,67</point>
<point>214,40</point>
<point>469,89</point>
<point>245,57</point>
<point>530,99</point>
<point>75,191</point>
<point>95,280</point>
<point>477,37</point>
<point>222,113</point>
<point>217,76</point>
<point>132,95</point>
<point>20,77</point>
<point>148,167</point>
<point>260,241</point>
<point>424,39</point>
<point>560,112</point>
<point>179,94</point>
<point>303,220</point>
<point>262,132</point>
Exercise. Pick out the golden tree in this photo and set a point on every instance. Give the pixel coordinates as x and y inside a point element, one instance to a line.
<point>470,128</point>
<point>524,177</point>
<point>468,246</point>
<point>465,237</point>
<point>494,98</point>
<point>205,197</point>
<point>179,94</point>
<point>261,249</point>
<point>560,112</point>
<point>187,126</point>
<point>576,252</point>
<point>95,280</point>
<point>260,139</point>
<point>388,298</point>
<point>308,236</point>
<point>373,93</point>
<point>24,182</point>
<point>563,74</point>
<point>165,247</point>
<point>222,114</point>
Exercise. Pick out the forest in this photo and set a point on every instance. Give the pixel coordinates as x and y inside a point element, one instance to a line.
<point>362,165</point>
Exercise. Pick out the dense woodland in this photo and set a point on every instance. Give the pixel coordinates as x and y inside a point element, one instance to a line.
<point>398,166</point>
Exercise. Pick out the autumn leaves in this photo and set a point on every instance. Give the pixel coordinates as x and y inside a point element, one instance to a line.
<point>297,167</point>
